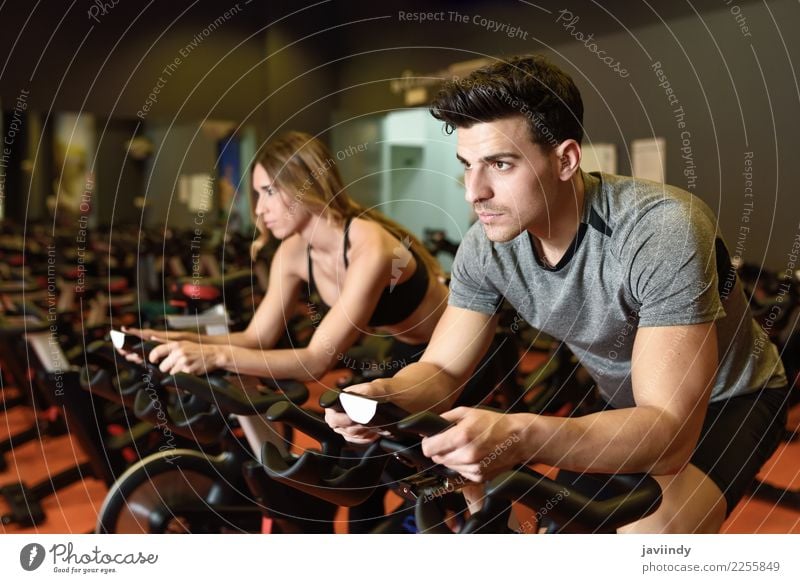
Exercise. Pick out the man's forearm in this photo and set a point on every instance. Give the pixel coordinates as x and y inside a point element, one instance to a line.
<point>639,439</point>
<point>421,386</point>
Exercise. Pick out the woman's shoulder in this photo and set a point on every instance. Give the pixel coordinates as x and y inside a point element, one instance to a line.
<point>368,235</point>
<point>292,252</point>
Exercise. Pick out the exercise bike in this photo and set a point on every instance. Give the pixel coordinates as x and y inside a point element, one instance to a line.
<point>434,490</point>
<point>219,485</point>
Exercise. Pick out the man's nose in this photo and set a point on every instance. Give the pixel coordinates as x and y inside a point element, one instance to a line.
<point>477,186</point>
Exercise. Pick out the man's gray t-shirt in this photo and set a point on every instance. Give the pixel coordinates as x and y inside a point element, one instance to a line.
<point>646,254</point>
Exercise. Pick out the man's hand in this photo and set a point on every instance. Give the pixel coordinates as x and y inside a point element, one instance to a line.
<point>480,446</point>
<point>346,427</point>
<point>189,357</point>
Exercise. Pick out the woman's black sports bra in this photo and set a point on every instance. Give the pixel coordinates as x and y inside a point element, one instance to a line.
<point>396,303</point>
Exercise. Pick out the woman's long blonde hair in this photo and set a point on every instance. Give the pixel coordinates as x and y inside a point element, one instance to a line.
<point>303,168</point>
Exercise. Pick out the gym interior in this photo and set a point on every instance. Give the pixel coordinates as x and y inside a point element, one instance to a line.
<point>133,197</point>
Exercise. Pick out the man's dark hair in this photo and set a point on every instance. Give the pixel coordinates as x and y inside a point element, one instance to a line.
<point>527,85</point>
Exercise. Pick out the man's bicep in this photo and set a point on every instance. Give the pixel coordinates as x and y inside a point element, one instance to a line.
<point>673,369</point>
<point>460,340</point>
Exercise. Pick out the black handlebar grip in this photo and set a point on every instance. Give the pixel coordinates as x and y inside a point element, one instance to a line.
<point>330,400</point>
<point>294,391</point>
<point>425,423</point>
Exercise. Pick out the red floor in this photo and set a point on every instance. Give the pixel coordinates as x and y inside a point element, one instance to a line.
<point>73,510</point>
<point>782,469</point>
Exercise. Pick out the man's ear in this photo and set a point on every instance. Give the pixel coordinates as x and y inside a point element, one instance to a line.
<point>569,159</point>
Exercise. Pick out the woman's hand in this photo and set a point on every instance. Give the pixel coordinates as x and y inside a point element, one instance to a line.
<point>149,334</point>
<point>190,357</point>
<point>162,335</point>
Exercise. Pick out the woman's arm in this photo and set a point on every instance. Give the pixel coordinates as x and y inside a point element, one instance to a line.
<point>195,353</point>
<point>269,320</point>
<point>367,275</point>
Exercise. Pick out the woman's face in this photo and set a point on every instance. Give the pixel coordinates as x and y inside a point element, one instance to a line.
<point>278,212</point>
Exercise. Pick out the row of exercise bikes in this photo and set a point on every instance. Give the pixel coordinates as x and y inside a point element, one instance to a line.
<point>222,453</point>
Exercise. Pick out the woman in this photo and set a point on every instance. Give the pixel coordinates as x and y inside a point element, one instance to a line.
<point>369,273</point>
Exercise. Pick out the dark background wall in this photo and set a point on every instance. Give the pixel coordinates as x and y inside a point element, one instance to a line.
<point>119,178</point>
<point>302,65</point>
<point>69,62</point>
<point>739,93</point>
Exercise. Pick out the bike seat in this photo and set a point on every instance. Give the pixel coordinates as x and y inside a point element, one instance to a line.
<point>212,288</point>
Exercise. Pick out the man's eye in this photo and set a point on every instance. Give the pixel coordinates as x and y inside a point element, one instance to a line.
<point>500,165</point>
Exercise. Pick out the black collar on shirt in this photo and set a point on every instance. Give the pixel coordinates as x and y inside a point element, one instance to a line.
<point>567,256</point>
<point>590,218</point>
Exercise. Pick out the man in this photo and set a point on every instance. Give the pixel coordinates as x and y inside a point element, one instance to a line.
<point>630,274</point>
